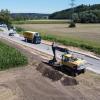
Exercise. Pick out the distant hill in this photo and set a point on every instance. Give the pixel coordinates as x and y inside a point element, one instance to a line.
<point>94,10</point>
<point>28,16</point>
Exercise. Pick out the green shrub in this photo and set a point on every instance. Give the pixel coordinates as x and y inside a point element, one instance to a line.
<point>72,25</point>
<point>19,30</point>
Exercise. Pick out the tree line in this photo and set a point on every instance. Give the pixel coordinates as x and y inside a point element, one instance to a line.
<point>6,17</point>
<point>28,16</point>
<point>82,14</point>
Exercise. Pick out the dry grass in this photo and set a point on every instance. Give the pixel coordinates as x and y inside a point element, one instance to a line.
<point>84,35</point>
<point>84,32</point>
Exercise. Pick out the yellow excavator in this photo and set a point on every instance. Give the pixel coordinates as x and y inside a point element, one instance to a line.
<point>68,61</point>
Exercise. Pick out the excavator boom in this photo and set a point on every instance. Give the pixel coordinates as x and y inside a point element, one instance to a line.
<point>57,48</point>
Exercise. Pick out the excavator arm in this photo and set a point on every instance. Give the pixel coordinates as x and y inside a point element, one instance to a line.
<point>57,48</point>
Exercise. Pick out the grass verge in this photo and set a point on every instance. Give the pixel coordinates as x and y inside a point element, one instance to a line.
<point>10,57</point>
<point>20,30</point>
<point>72,42</point>
<point>1,30</point>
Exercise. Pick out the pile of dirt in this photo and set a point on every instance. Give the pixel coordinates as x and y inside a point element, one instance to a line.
<point>49,72</point>
<point>55,75</point>
<point>69,81</point>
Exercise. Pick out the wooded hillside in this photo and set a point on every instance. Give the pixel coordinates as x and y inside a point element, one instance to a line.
<point>82,13</point>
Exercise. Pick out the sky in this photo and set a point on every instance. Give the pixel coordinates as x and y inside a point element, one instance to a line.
<point>40,6</point>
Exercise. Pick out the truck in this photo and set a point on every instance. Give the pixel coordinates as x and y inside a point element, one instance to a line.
<point>34,37</point>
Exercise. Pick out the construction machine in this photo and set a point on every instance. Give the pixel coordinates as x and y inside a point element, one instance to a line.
<point>68,61</point>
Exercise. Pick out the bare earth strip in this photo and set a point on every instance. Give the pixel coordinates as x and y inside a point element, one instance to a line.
<point>28,83</point>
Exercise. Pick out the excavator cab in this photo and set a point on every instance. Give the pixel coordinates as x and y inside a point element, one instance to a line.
<point>70,62</point>
<point>68,58</point>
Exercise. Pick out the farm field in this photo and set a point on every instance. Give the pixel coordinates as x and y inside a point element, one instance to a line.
<point>83,34</point>
<point>41,22</point>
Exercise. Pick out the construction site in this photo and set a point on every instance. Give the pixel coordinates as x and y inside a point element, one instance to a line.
<point>53,54</point>
<point>54,72</point>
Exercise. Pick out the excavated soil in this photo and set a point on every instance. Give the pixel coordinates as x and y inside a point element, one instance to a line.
<point>55,75</point>
<point>49,72</point>
<point>38,81</point>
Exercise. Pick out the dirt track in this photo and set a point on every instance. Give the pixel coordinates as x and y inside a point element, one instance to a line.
<point>34,82</point>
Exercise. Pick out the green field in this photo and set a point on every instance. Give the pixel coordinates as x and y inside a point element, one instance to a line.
<point>41,22</point>
<point>85,36</point>
<point>10,57</point>
<point>1,30</point>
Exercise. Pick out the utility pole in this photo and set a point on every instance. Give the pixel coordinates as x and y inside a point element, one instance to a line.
<point>72,7</point>
<point>72,4</point>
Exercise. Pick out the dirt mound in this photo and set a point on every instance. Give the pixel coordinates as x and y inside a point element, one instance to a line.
<point>49,72</point>
<point>55,75</point>
<point>69,81</point>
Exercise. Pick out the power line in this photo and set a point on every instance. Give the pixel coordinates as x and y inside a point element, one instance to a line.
<point>72,6</point>
<point>72,3</point>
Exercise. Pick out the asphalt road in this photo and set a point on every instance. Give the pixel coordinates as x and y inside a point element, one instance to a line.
<point>92,63</point>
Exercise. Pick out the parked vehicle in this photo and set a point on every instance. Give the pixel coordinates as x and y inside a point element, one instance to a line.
<point>12,32</point>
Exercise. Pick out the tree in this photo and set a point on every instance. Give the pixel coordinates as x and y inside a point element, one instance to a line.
<point>92,14</point>
<point>86,17</point>
<point>5,17</point>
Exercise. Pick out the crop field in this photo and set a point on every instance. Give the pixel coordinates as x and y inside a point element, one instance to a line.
<point>86,36</point>
<point>41,22</point>
<point>10,57</point>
